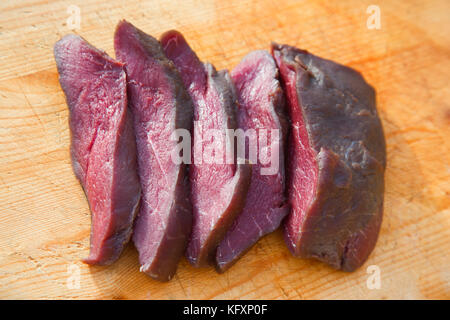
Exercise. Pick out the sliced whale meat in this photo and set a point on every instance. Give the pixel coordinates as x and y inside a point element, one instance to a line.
<point>261,109</point>
<point>160,105</point>
<point>103,148</point>
<point>219,188</point>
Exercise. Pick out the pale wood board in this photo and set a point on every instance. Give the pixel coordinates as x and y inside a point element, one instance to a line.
<point>44,216</point>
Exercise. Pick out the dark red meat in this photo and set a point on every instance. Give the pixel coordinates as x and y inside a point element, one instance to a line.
<point>159,104</point>
<point>218,190</point>
<point>336,160</point>
<point>261,108</point>
<point>103,147</point>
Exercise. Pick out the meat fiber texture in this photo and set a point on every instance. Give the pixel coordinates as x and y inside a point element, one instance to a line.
<point>336,160</point>
<point>103,147</point>
<point>160,105</point>
<point>218,189</point>
<point>261,109</point>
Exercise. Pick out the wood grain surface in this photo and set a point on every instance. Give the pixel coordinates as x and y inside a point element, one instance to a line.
<point>44,216</point>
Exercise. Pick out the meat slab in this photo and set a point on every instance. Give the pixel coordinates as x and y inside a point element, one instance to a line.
<point>261,107</point>
<point>159,104</point>
<point>336,160</point>
<point>103,147</point>
<point>218,188</point>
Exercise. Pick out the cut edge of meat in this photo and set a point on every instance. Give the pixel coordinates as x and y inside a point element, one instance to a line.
<point>199,78</point>
<point>125,141</point>
<point>241,183</point>
<point>237,186</point>
<point>299,146</point>
<point>162,267</point>
<point>161,264</point>
<point>113,238</point>
<point>244,71</point>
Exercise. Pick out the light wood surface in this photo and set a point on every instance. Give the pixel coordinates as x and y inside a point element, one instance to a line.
<point>44,216</point>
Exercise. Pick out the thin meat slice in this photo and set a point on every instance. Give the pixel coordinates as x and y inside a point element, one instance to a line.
<point>219,186</point>
<point>103,147</point>
<point>336,160</point>
<point>160,105</point>
<point>261,116</point>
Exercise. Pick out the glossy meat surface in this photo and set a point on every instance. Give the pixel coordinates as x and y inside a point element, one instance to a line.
<point>261,109</point>
<point>160,105</point>
<point>219,188</point>
<point>103,147</point>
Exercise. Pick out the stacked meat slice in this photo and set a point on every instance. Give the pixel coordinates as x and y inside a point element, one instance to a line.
<point>261,109</point>
<point>103,147</point>
<point>218,189</point>
<point>287,138</point>
<point>159,105</point>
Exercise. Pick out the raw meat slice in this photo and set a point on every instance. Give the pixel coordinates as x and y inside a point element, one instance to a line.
<point>336,161</point>
<point>160,105</point>
<point>103,147</point>
<point>261,108</point>
<point>218,190</point>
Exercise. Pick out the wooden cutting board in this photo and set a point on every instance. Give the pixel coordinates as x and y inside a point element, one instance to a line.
<point>44,216</point>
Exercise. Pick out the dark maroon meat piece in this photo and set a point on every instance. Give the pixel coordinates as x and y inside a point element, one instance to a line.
<point>261,109</point>
<point>218,190</point>
<point>336,160</point>
<point>103,147</point>
<point>160,105</point>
